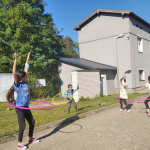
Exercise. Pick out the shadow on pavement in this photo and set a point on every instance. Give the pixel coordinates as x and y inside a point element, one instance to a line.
<point>130,106</point>
<point>65,123</point>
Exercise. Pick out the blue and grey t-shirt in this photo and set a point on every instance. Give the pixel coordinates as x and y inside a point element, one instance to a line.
<point>23,94</point>
<point>69,94</point>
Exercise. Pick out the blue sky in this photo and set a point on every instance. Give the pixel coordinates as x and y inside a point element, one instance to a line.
<point>67,14</point>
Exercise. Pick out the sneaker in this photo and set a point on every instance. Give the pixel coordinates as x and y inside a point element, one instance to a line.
<point>148,113</point>
<point>121,109</point>
<point>21,146</point>
<point>128,110</point>
<point>33,140</point>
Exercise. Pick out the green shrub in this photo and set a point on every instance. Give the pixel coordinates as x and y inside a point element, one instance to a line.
<point>82,99</point>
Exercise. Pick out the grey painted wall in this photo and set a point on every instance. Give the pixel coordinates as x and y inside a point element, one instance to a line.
<point>64,71</point>
<point>139,60</point>
<point>89,83</point>
<point>97,42</point>
<point>106,25</point>
<point>110,76</point>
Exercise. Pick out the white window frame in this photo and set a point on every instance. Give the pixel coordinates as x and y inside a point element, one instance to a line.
<point>143,75</point>
<point>140,44</point>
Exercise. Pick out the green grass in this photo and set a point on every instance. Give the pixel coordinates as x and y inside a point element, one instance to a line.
<point>9,122</point>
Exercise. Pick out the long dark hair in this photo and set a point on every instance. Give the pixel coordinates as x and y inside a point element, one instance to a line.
<point>10,94</point>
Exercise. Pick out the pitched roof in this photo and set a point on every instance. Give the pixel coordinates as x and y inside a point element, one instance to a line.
<point>108,11</point>
<point>86,64</point>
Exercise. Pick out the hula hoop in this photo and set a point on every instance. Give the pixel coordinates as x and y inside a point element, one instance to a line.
<point>130,101</point>
<point>60,103</point>
<point>142,100</point>
<point>33,108</point>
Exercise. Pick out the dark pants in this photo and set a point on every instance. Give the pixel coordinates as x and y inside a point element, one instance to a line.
<point>125,102</point>
<point>146,102</point>
<point>74,105</point>
<point>22,115</point>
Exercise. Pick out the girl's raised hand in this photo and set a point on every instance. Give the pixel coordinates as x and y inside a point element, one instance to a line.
<point>29,55</point>
<point>16,56</point>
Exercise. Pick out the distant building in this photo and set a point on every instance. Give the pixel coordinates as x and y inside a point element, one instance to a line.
<point>96,69</point>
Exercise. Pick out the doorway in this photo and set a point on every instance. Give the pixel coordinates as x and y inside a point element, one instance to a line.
<point>103,85</point>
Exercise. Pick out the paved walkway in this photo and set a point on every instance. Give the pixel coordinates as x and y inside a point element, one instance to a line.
<point>107,130</point>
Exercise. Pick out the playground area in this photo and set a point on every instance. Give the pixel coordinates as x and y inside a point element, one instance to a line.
<point>106,130</point>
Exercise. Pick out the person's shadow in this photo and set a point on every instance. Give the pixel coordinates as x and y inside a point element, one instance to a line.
<point>65,123</point>
<point>129,106</point>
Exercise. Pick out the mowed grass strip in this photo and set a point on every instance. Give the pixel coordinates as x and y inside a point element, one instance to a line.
<point>9,120</point>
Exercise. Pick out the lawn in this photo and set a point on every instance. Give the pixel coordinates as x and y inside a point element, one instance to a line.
<point>9,122</point>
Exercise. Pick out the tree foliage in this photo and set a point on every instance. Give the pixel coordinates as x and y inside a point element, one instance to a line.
<point>25,28</point>
<point>71,48</point>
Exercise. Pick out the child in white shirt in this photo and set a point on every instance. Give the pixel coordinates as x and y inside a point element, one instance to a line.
<point>147,85</point>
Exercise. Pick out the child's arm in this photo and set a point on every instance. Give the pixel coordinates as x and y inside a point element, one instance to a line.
<point>14,68</point>
<point>74,90</point>
<point>26,68</point>
<point>143,87</point>
<point>65,95</point>
<point>125,85</point>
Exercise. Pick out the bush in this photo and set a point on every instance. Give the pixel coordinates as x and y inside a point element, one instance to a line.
<point>82,99</point>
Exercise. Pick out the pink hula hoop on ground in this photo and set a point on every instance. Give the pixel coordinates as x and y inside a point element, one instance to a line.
<point>33,108</point>
<point>130,101</point>
<point>142,100</point>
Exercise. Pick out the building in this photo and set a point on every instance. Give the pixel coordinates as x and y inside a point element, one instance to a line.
<point>98,40</point>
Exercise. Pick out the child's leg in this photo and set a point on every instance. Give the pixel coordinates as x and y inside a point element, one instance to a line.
<point>21,121</point>
<point>69,106</point>
<point>31,121</point>
<point>146,104</point>
<point>125,103</point>
<point>74,104</point>
<point>121,106</point>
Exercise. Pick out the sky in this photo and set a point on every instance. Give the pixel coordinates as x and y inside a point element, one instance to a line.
<point>67,14</point>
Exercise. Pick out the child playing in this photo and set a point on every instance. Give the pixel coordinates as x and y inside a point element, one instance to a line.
<point>147,85</point>
<point>68,94</point>
<point>123,94</point>
<point>22,100</point>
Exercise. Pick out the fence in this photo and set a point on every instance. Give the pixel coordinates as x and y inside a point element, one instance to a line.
<point>6,81</point>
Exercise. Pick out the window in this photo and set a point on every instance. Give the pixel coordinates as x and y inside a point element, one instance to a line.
<point>141,75</point>
<point>139,44</point>
<point>137,25</point>
<point>140,27</point>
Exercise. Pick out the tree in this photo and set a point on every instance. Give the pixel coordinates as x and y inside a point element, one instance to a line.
<point>71,48</point>
<point>25,28</point>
